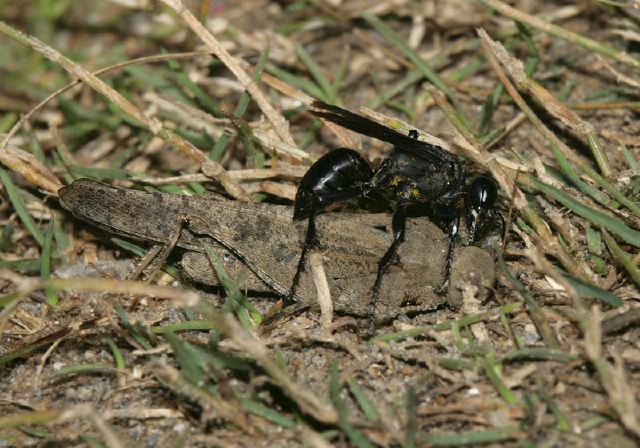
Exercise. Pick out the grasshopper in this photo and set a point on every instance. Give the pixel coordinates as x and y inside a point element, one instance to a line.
<point>263,241</point>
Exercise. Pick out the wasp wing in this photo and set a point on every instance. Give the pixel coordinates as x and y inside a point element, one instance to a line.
<point>365,126</point>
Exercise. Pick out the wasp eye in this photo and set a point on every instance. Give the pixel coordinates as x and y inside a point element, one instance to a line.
<point>482,193</point>
<point>413,134</point>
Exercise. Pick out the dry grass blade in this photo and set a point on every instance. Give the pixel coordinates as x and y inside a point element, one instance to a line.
<point>550,242</point>
<point>178,296</point>
<point>78,71</point>
<point>146,59</point>
<point>612,377</point>
<point>515,68</point>
<point>247,175</point>
<point>620,77</point>
<point>217,406</point>
<point>560,32</point>
<point>494,51</point>
<point>30,168</point>
<point>247,342</point>
<point>280,125</point>
<point>201,120</point>
<point>522,362</point>
<point>82,411</point>
<point>536,255</point>
<point>473,149</point>
<point>214,168</point>
<point>322,286</point>
<point>282,86</point>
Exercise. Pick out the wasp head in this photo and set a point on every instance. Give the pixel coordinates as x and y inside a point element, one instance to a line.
<point>481,198</point>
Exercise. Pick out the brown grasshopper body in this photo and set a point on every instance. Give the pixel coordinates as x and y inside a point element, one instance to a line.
<point>263,240</point>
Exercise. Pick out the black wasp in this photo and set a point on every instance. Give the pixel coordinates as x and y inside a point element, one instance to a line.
<point>414,173</point>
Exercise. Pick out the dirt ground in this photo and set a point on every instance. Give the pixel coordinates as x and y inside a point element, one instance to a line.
<point>548,355</point>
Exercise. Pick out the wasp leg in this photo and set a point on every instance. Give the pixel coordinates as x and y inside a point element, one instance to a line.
<point>399,225</point>
<point>318,203</point>
<point>310,241</point>
<point>505,230</point>
<point>453,232</point>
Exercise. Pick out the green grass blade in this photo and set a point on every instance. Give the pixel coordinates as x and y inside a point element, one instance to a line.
<point>117,354</point>
<point>539,353</point>
<point>547,398</point>
<point>220,146</point>
<point>140,251</point>
<point>82,369</point>
<point>189,325</point>
<point>412,77</point>
<point>455,364</point>
<point>204,99</point>
<point>245,98</point>
<point>133,331</point>
<point>28,265</point>
<point>631,160</point>
<point>316,72</point>
<point>471,319</point>
<point>259,409</point>
<point>298,82</point>
<point>536,314</point>
<point>611,189</point>
<point>488,108</point>
<point>623,257</point>
<point>341,73</point>
<point>7,121</point>
<point>609,222</point>
<point>136,250</point>
<point>471,438</point>
<point>354,435</point>
<point>190,360</point>
<point>7,300</point>
<point>36,148</point>
<point>20,207</point>
<point>60,236</point>
<point>534,56</point>
<point>368,409</point>
<point>568,171</point>
<point>45,265</point>
<point>590,291</point>
<point>594,241</point>
<point>99,173</point>
<point>5,237</point>
<point>427,71</point>
<point>444,326</point>
<point>246,312</point>
<point>492,369</point>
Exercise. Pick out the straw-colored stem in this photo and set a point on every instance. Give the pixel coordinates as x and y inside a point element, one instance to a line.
<point>155,126</point>
<point>562,33</point>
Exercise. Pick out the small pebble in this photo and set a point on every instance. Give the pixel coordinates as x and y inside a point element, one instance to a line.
<point>531,335</point>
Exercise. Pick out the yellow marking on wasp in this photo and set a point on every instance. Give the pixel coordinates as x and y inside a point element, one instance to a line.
<point>395,181</point>
<point>415,193</point>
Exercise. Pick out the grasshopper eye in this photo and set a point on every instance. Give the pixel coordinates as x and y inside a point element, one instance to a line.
<point>482,193</point>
